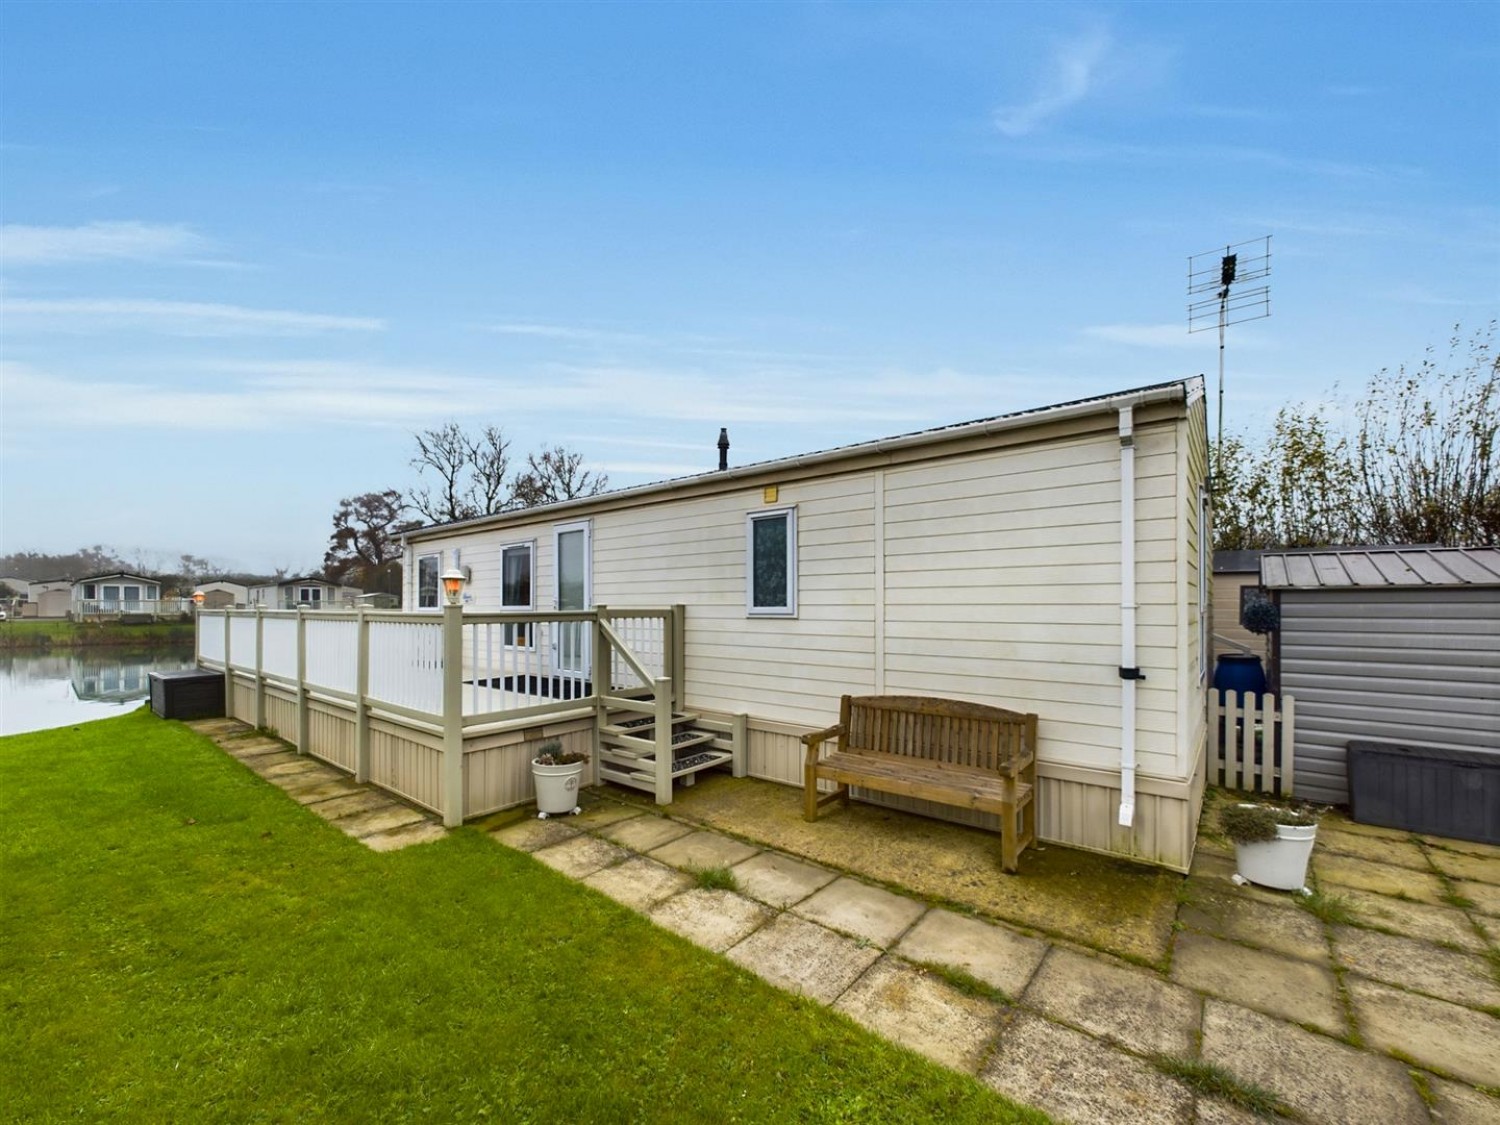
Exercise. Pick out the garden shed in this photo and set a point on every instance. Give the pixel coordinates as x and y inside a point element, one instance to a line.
<point>1396,645</point>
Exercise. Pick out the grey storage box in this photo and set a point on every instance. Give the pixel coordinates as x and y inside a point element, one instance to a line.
<point>1454,793</point>
<point>189,694</point>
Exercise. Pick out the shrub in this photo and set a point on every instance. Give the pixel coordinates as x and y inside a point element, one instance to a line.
<point>1256,824</point>
<point>551,753</point>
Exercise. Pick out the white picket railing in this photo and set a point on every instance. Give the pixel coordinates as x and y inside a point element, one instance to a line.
<point>645,634</point>
<point>1250,742</point>
<point>406,664</point>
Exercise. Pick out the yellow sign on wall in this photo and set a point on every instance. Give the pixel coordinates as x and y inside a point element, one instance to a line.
<point>768,494</point>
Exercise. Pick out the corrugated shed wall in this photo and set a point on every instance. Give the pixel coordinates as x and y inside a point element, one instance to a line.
<point>1413,666</point>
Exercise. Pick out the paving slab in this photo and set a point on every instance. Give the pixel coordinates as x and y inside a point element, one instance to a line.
<point>1414,919</point>
<point>1380,849</point>
<point>801,956</point>
<point>1461,978</point>
<point>264,762</point>
<point>580,856</point>
<point>598,814</point>
<point>1080,1080</point>
<point>1281,927</point>
<point>1101,901</point>
<point>1328,1082</point>
<point>1211,1111</point>
<point>642,833</point>
<point>1463,1105</point>
<point>360,802</point>
<point>702,851</point>
<point>1294,990</point>
<point>1212,876</point>
<point>1338,822</point>
<point>253,747</point>
<point>1484,896</point>
<point>996,955</point>
<point>1134,1007</point>
<point>1468,847</point>
<point>779,880</point>
<point>397,838</point>
<point>924,1013</point>
<point>297,767</point>
<point>531,834</point>
<point>639,883</point>
<point>394,815</point>
<point>1367,875</point>
<point>1448,1038</point>
<point>862,911</point>
<point>715,920</point>
<point>315,791</point>
<point>1474,868</point>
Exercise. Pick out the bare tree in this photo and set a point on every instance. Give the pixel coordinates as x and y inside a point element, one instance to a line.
<point>468,472</point>
<point>1426,442</point>
<point>554,475</point>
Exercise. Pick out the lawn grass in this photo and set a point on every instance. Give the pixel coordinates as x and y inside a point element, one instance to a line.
<point>181,941</point>
<point>37,634</point>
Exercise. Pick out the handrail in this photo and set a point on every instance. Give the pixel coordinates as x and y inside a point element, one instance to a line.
<point>624,650</point>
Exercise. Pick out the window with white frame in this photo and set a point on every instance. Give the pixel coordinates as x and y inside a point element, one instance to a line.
<point>517,565</point>
<point>771,563</point>
<point>427,582</point>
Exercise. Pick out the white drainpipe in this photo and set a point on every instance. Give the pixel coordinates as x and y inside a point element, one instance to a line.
<point>1129,673</point>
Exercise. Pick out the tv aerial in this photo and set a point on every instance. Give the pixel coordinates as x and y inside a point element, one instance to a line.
<point>1221,293</point>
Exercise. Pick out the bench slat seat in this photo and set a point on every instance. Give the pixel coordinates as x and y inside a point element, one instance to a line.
<point>968,755</point>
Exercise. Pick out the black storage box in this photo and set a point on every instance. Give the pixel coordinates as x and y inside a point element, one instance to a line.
<point>189,694</point>
<point>1454,793</point>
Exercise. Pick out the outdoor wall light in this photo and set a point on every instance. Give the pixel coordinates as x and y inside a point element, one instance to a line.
<point>453,585</point>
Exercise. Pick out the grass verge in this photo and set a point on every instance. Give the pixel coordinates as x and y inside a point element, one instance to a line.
<point>179,941</point>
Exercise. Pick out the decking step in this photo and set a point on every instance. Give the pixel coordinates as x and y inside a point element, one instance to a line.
<point>681,740</point>
<point>643,724</point>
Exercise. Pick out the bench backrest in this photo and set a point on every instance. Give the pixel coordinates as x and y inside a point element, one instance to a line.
<point>946,731</point>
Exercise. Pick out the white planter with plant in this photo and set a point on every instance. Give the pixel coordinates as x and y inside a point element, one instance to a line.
<point>557,774</point>
<point>1272,846</point>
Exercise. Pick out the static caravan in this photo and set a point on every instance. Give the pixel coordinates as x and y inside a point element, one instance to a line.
<point>302,593</point>
<point>1050,561</point>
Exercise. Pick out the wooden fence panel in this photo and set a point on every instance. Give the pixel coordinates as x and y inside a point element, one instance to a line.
<point>1250,743</point>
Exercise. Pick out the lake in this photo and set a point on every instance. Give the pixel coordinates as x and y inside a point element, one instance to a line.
<point>42,690</point>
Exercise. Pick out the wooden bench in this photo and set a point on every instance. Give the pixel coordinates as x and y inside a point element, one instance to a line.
<point>943,750</point>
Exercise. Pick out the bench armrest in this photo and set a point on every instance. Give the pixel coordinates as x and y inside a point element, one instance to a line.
<point>817,738</point>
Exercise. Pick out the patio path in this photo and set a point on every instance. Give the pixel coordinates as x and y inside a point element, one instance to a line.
<point>1388,1017</point>
<point>372,816</point>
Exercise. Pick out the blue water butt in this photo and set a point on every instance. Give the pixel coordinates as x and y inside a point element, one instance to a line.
<point>1239,673</point>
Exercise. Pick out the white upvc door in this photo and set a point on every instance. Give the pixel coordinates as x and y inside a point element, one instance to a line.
<point>572,589</point>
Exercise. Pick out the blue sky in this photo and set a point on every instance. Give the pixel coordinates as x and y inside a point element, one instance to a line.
<point>248,249</point>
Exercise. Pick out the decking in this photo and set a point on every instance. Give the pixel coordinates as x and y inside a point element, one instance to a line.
<point>447,709</point>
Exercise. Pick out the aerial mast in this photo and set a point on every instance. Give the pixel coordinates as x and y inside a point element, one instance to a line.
<point>1217,295</point>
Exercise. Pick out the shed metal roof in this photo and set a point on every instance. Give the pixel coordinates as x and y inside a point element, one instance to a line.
<point>1366,567</point>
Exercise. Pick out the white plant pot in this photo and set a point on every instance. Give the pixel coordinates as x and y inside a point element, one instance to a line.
<point>1280,863</point>
<point>557,788</point>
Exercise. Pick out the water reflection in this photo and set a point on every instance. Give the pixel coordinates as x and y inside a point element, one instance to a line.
<point>39,691</point>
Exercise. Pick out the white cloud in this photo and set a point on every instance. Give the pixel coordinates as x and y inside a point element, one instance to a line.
<point>21,244</point>
<point>1073,74</point>
<point>1144,335</point>
<point>181,318</point>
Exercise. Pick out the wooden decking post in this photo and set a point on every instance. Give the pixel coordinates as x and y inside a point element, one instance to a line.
<point>663,689</point>
<point>228,670</point>
<point>453,715</point>
<point>678,666</point>
<point>361,694</point>
<point>260,666</point>
<point>304,720</point>
<point>740,763</point>
<point>604,675</point>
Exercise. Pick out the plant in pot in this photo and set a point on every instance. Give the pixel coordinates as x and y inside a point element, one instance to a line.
<point>1272,845</point>
<point>557,774</point>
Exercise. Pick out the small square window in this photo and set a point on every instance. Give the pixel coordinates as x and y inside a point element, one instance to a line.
<point>771,563</point>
